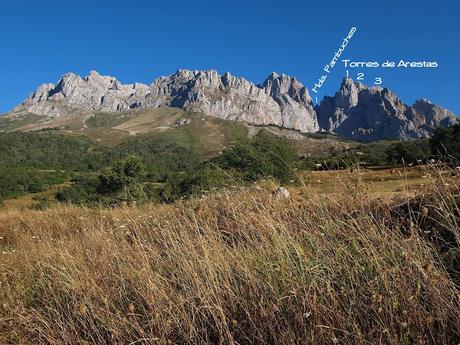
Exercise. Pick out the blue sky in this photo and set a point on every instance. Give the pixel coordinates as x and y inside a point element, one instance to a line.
<point>141,40</point>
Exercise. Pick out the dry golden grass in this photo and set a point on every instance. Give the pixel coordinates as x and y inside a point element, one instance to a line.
<point>237,267</point>
<point>389,181</point>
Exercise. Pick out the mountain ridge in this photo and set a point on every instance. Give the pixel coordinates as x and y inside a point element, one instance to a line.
<point>366,113</point>
<point>355,112</point>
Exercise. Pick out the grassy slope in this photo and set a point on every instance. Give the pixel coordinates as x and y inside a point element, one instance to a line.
<point>10,123</point>
<point>31,200</point>
<point>237,267</point>
<point>110,129</point>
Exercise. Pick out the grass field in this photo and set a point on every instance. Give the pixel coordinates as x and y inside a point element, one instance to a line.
<point>241,267</point>
<point>378,182</point>
<point>383,182</point>
<point>27,201</point>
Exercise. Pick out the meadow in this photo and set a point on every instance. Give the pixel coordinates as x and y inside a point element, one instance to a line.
<point>241,266</point>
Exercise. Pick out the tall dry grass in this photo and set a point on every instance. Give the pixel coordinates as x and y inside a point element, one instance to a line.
<point>235,268</point>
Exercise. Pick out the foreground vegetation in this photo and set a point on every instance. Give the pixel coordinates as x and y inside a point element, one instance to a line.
<point>238,267</point>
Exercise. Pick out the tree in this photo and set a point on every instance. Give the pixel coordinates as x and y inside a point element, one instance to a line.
<point>123,174</point>
<point>446,142</point>
<point>260,157</point>
<point>409,151</point>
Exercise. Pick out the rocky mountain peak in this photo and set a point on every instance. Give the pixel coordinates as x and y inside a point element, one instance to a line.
<point>423,103</point>
<point>99,81</point>
<point>423,100</point>
<point>92,93</point>
<point>281,100</point>
<point>40,94</point>
<point>347,83</point>
<point>434,115</point>
<point>347,96</point>
<point>355,111</point>
<point>368,114</point>
<point>278,86</point>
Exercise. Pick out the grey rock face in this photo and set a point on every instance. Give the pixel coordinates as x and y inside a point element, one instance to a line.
<point>294,100</point>
<point>233,98</point>
<point>92,93</point>
<point>368,114</point>
<point>433,115</point>
<point>281,100</point>
<point>355,111</point>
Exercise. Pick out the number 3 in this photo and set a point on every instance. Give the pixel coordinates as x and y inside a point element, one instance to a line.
<point>378,81</point>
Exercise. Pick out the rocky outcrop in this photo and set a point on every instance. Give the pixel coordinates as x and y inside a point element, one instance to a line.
<point>367,114</point>
<point>92,93</point>
<point>280,100</point>
<point>233,98</point>
<point>433,115</point>
<point>356,111</point>
<point>281,193</point>
<point>294,100</point>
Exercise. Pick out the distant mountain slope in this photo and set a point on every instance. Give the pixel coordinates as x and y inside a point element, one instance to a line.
<point>355,112</point>
<point>368,114</point>
<point>280,100</point>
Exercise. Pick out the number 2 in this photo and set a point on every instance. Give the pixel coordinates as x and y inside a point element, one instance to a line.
<point>360,76</point>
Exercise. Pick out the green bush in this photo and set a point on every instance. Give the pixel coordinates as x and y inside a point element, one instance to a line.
<point>409,151</point>
<point>202,180</point>
<point>83,190</point>
<point>123,174</point>
<point>263,156</point>
<point>446,142</point>
<point>121,182</point>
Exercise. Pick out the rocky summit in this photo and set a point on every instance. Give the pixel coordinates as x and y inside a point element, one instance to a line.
<point>368,114</point>
<point>356,111</point>
<point>92,93</point>
<point>280,100</point>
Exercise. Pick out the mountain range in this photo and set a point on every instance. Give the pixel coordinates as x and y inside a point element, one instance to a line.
<point>355,111</point>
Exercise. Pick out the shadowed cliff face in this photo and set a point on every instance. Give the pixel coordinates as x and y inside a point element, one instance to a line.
<point>368,114</point>
<point>355,111</point>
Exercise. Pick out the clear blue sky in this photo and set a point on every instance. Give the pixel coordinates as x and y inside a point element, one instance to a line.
<point>141,40</point>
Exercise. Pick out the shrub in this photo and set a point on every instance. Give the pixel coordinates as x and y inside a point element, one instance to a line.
<point>263,156</point>
<point>446,142</point>
<point>409,151</point>
<point>123,174</point>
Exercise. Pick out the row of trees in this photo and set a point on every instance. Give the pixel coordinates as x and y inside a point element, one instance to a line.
<point>444,144</point>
